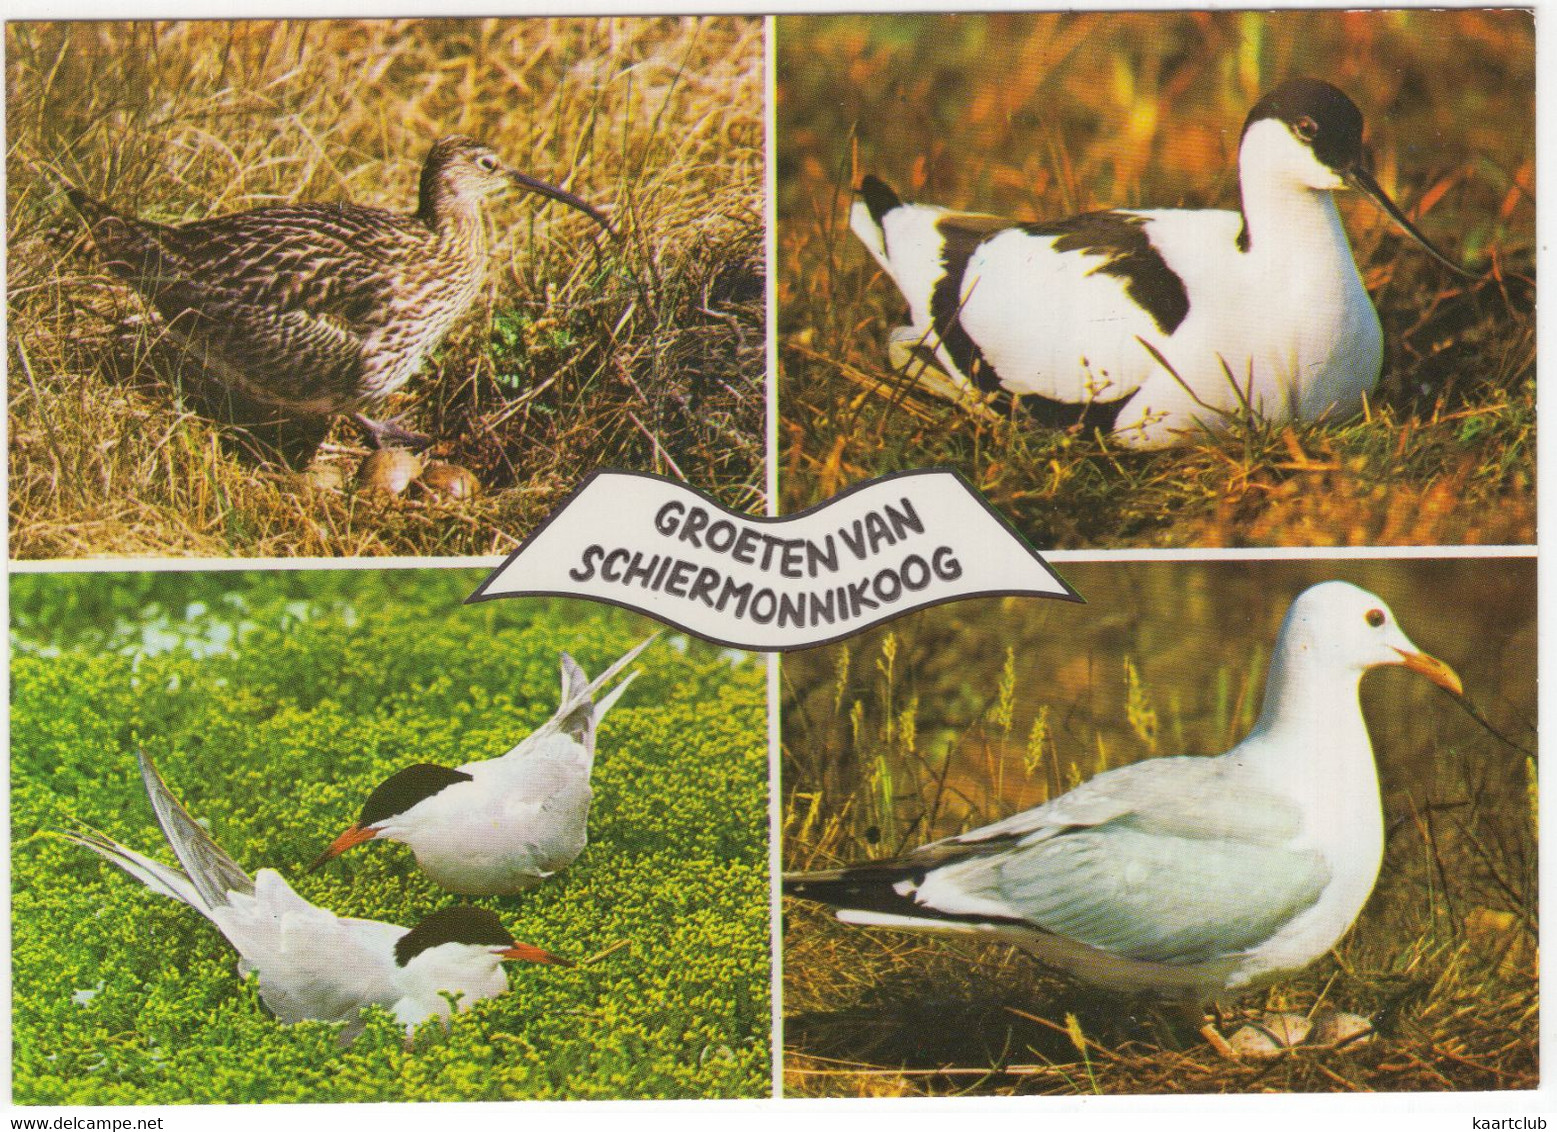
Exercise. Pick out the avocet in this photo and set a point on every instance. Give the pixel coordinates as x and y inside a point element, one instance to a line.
<point>1159,325</point>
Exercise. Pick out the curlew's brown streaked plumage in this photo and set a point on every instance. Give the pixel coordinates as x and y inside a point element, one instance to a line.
<point>321,309</point>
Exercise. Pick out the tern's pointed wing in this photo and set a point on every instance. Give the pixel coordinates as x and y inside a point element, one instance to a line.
<point>575,713</point>
<point>214,874</point>
<point>578,713</point>
<point>311,962</point>
<point>543,799</point>
<point>162,879</point>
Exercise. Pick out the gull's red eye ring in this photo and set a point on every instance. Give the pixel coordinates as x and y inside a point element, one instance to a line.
<point>1375,617</point>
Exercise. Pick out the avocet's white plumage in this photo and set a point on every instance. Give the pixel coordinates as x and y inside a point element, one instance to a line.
<point>1159,324</point>
<point>502,825</point>
<point>313,964</point>
<point>1182,877</point>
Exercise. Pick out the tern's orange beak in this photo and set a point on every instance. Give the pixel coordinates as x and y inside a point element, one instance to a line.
<point>356,835</point>
<point>532,954</point>
<point>1434,669</point>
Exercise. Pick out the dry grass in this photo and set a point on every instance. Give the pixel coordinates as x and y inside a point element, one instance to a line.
<point>1046,115</point>
<point>582,354</point>
<point>929,727</point>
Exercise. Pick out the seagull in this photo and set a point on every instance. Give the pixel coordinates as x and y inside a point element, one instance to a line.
<point>503,825</point>
<point>1158,325</point>
<point>311,963</point>
<point>1184,878</point>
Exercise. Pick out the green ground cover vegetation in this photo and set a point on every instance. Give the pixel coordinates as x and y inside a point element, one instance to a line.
<point>272,703</point>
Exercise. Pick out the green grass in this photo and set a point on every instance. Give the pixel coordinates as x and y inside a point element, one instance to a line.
<point>956,717</point>
<point>272,706</point>
<point>581,352</point>
<point>1044,115</point>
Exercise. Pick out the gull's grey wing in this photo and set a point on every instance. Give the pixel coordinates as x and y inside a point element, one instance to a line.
<point>1172,861</point>
<point>1145,895</point>
<point>1185,794</point>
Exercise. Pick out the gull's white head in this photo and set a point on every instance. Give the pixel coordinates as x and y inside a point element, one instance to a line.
<point>1347,629</point>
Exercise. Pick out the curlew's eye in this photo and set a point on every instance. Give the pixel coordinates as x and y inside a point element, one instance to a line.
<point>1306,128</point>
<point>1375,617</point>
<point>488,162</point>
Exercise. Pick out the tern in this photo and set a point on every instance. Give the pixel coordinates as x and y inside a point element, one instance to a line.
<point>1182,878</point>
<point>499,826</point>
<point>1159,325</point>
<point>311,963</point>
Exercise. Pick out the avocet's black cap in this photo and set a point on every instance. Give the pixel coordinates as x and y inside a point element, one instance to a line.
<point>460,924</point>
<point>1330,124</point>
<point>405,788</point>
<point>1319,115</point>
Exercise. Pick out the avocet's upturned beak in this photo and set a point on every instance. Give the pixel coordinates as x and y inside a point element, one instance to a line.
<point>1434,669</point>
<point>562,196</point>
<point>1360,177</point>
<point>356,835</point>
<point>529,953</point>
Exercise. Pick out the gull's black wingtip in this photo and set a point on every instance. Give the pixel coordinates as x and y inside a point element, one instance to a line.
<point>833,886</point>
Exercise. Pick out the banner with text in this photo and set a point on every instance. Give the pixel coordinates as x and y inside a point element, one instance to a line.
<point>881,549</point>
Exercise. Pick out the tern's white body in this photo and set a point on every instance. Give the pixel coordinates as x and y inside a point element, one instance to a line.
<point>311,963</point>
<point>1161,325</point>
<point>1182,877</point>
<point>314,964</point>
<point>519,820</point>
<point>503,825</point>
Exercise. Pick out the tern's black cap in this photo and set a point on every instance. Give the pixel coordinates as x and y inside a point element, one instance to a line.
<point>460,924</point>
<point>405,788</point>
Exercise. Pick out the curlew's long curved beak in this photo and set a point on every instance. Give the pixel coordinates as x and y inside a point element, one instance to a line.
<point>532,954</point>
<point>1360,177</point>
<point>563,196</point>
<point>1434,669</point>
<point>356,835</point>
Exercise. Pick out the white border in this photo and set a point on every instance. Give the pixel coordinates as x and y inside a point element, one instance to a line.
<point>1278,1113</point>
<point>775,679</point>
